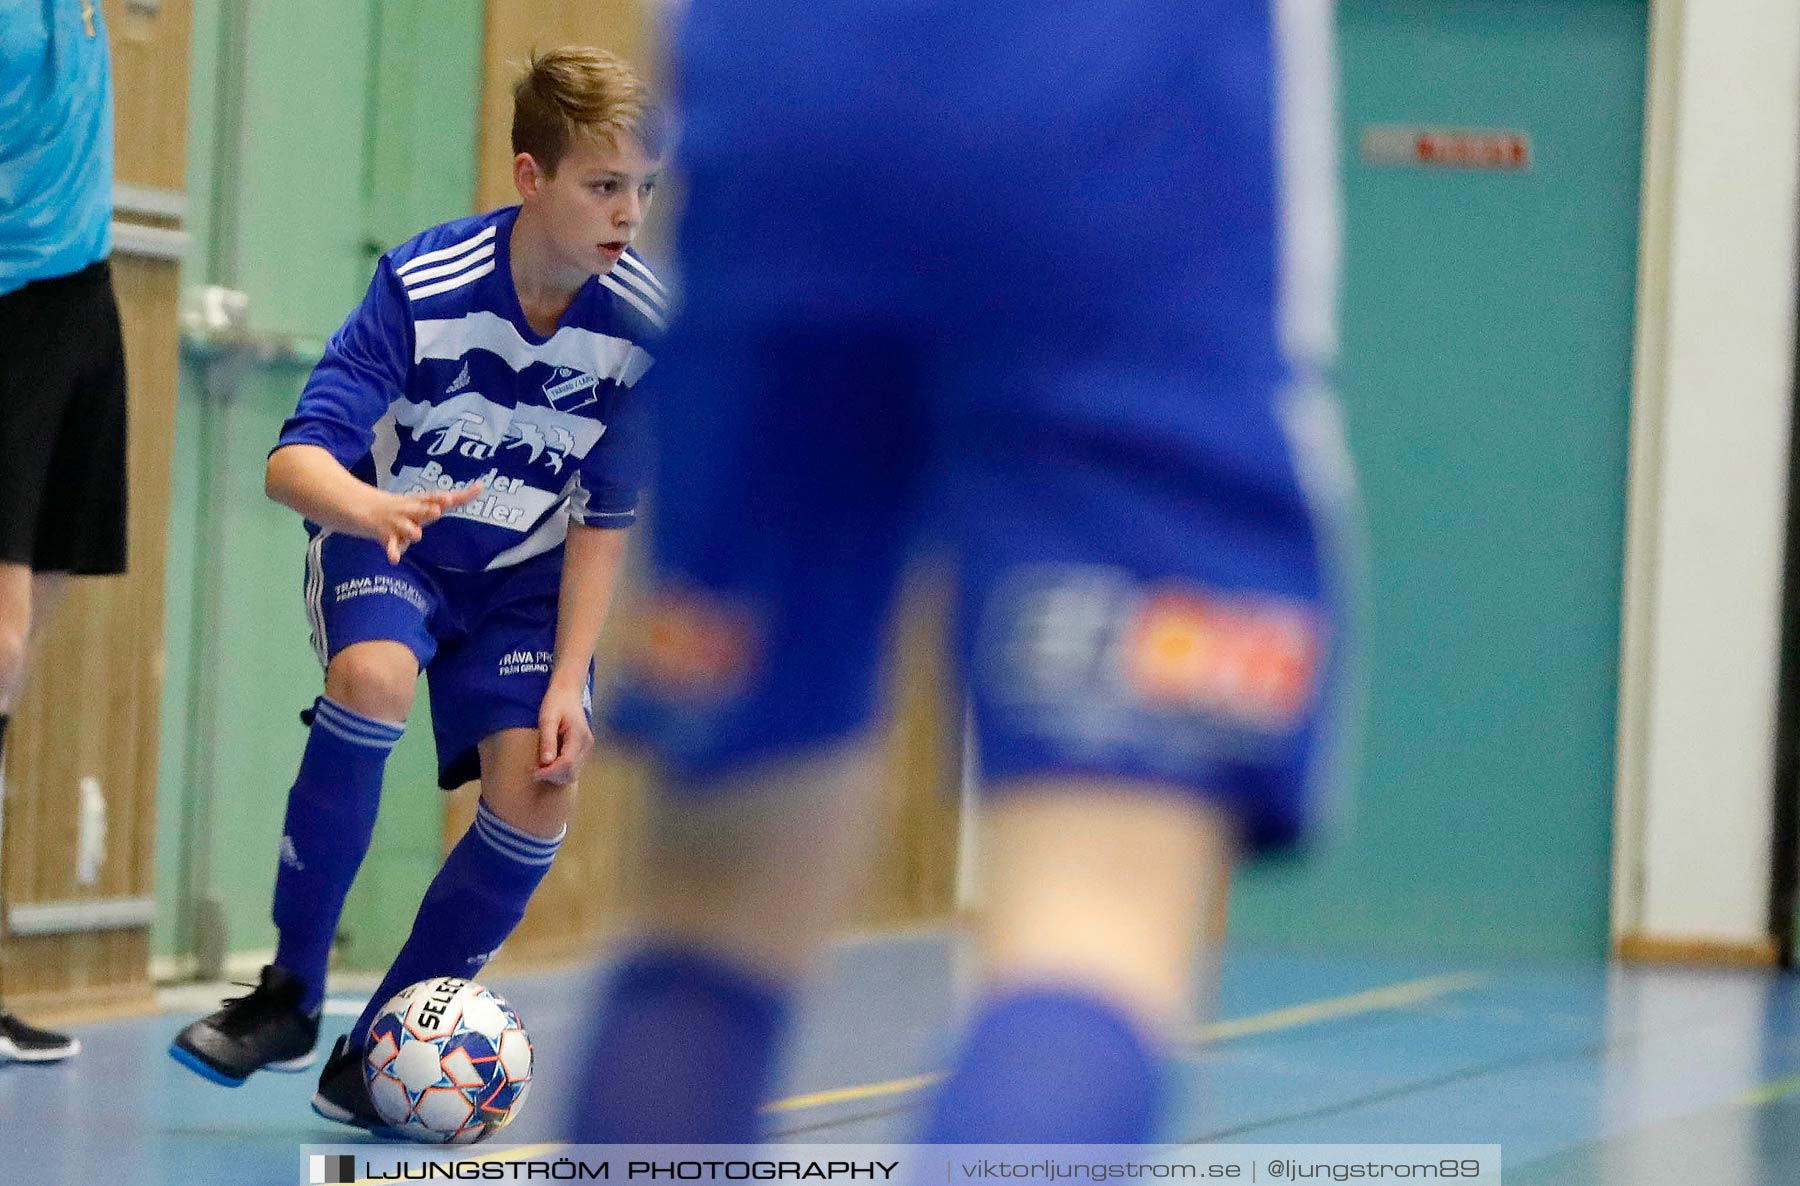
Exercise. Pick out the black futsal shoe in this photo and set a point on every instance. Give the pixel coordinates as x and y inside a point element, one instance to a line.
<point>264,1031</point>
<point>343,1096</point>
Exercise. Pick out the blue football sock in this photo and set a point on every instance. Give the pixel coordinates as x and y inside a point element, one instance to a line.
<point>685,1052</point>
<point>473,904</point>
<point>330,818</point>
<point>1048,1066</point>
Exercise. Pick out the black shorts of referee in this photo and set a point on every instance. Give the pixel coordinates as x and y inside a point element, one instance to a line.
<point>62,425</point>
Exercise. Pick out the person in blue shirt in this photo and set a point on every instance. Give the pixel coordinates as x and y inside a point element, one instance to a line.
<point>1042,289</point>
<point>62,357</point>
<point>467,456</point>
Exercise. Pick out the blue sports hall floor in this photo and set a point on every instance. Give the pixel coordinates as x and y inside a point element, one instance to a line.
<point>1584,1074</point>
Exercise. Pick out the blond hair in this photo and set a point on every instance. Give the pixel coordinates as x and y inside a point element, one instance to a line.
<point>575,91</point>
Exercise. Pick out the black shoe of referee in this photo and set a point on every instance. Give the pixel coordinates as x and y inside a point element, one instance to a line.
<point>26,1043</point>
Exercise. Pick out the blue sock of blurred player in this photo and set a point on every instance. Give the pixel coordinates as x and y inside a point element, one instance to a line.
<point>473,904</point>
<point>330,819</point>
<point>1049,1065</point>
<point>685,1051</point>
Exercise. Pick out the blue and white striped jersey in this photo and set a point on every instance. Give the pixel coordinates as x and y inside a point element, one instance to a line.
<point>437,380</point>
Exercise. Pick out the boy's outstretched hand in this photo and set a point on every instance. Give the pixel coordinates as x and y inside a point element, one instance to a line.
<point>564,736</point>
<point>398,521</point>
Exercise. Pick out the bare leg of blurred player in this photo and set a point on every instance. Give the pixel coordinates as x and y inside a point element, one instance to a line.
<point>1094,898</point>
<point>26,602</point>
<point>745,879</point>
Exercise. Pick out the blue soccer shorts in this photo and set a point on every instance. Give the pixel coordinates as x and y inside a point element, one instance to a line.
<point>485,640</point>
<point>1047,296</point>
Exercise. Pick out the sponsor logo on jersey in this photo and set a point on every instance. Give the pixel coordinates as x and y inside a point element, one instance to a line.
<point>469,435</point>
<point>465,435</point>
<point>551,444</point>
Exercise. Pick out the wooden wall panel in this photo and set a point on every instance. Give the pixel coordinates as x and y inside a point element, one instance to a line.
<point>92,698</point>
<point>514,29</point>
<point>150,92</point>
<point>914,873</point>
<point>62,979</point>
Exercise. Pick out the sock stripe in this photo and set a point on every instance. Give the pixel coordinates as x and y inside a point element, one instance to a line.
<point>513,831</point>
<point>353,727</point>
<point>345,735</point>
<point>510,850</point>
<point>356,721</point>
<point>473,904</point>
<point>510,841</point>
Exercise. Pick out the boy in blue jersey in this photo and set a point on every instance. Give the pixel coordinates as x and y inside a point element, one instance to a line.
<point>1054,298</point>
<point>467,456</point>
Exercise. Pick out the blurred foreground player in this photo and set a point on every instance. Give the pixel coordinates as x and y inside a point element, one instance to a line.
<point>1045,288</point>
<point>62,355</point>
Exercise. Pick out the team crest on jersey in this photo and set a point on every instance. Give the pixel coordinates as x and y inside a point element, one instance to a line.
<point>569,389</point>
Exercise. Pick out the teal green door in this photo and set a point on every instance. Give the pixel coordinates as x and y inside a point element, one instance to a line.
<point>1487,372</point>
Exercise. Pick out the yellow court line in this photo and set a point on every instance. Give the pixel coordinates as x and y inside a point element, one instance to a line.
<point>1393,996</point>
<point>1768,1093</point>
<point>845,1095</point>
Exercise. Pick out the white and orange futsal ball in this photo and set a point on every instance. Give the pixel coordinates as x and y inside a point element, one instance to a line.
<point>447,1061</point>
